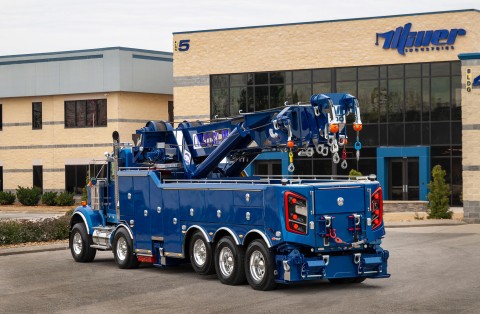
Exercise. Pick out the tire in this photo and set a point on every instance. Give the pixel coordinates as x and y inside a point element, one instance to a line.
<point>80,242</point>
<point>123,250</point>
<point>339,281</point>
<point>229,261</point>
<point>260,266</point>
<point>201,254</point>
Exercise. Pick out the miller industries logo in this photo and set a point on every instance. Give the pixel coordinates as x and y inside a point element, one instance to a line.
<point>406,41</point>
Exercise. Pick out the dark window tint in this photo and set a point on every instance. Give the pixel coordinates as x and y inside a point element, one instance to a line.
<point>219,81</point>
<point>395,134</point>
<point>425,99</point>
<point>238,79</point>
<point>346,74</point>
<point>367,73</point>
<point>36,115</point>
<point>171,116</point>
<point>301,93</point>
<point>413,133</point>
<point>303,167</point>
<point>261,78</point>
<point>440,69</point>
<point>413,99</point>
<point>440,133</point>
<point>261,98</point>
<point>395,100</point>
<point>368,136</point>
<point>347,87</point>
<point>324,75</point>
<point>238,100</point>
<point>322,88</point>
<point>440,98</point>
<point>277,96</point>
<point>413,70</point>
<point>277,77</point>
<point>85,113</point>
<point>302,76</point>
<point>456,98</point>
<point>38,177</point>
<point>456,68</point>
<point>368,98</point>
<point>75,178</point>
<point>1,178</point>
<point>220,102</point>
<point>1,117</point>
<point>395,71</point>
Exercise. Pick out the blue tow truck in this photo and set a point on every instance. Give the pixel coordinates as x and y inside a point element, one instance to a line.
<point>181,195</point>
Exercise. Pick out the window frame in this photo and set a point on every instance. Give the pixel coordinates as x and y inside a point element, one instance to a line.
<point>34,125</point>
<point>85,102</point>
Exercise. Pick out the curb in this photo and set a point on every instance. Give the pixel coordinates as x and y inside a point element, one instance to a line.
<point>33,249</point>
<point>434,223</point>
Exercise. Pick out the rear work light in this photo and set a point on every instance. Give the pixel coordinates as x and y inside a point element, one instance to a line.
<point>376,207</point>
<point>296,213</point>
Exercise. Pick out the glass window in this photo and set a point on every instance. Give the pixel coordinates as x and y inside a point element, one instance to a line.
<point>456,68</point>
<point>238,100</point>
<point>92,113</point>
<point>368,136</point>
<point>69,114</point>
<point>413,133</point>
<point>277,96</point>
<point>322,75</point>
<point>301,92</point>
<point>220,103</point>
<point>238,79</point>
<point>395,100</point>
<point>368,73</point>
<point>383,101</point>
<point>38,177</point>
<point>383,131</point>
<point>303,166</point>
<point>250,79</point>
<point>383,71</point>
<point>36,115</point>
<point>219,81</point>
<point>322,166</point>
<point>346,74</point>
<point>261,98</point>
<point>303,76</point>
<point>81,113</point>
<point>366,166</point>
<point>395,71</point>
<point>413,70</point>
<point>277,77</point>
<point>368,98</point>
<point>425,69</point>
<point>261,78</point>
<point>456,98</point>
<point>1,117</point>
<point>250,99</point>
<point>102,112</point>
<point>347,87</point>
<point>440,98</point>
<point>75,178</point>
<point>1,179</point>
<point>413,99</point>
<point>457,133</point>
<point>288,77</point>
<point>322,88</point>
<point>440,151</point>
<point>395,134</point>
<point>440,133</point>
<point>440,69</point>
<point>426,133</point>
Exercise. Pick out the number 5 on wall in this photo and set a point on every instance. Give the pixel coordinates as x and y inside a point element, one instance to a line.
<point>183,45</point>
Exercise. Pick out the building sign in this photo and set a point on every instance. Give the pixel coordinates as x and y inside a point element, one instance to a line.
<point>405,41</point>
<point>468,81</point>
<point>181,45</point>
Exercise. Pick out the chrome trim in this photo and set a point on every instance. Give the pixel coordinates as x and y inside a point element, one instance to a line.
<point>143,251</point>
<point>126,227</point>
<point>174,255</point>
<point>155,238</point>
<point>205,234</point>
<point>84,220</point>
<point>101,247</point>
<point>232,233</point>
<point>210,189</point>
<point>125,173</point>
<point>267,241</point>
<point>144,254</point>
<point>340,187</point>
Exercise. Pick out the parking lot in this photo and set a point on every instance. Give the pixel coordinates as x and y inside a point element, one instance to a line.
<point>434,269</point>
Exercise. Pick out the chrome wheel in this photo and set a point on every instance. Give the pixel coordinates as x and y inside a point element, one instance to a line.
<point>257,266</point>
<point>77,243</point>
<point>122,249</point>
<point>199,252</point>
<point>226,262</point>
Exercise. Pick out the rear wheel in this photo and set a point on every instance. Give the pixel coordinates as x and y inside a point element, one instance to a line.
<point>123,250</point>
<point>229,260</point>
<point>201,254</point>
<point>260,267</point>
<point>80,242</point>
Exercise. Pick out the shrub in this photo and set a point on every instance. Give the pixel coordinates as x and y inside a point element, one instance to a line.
<point>7,198</point>
<point>21,231</point>
<point>49,198</point>
<point>355,173</point>
<point>28,196</point>
<point>65,199</point>
<point>438,207</point>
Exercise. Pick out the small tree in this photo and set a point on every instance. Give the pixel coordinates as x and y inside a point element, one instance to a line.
<point>438,207</point>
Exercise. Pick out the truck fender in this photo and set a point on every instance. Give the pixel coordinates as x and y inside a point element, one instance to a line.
<point>122,225</point>
<point>265,238</point>
<point>90,217</point>
<point>197,227</point>
<point>230,231</point>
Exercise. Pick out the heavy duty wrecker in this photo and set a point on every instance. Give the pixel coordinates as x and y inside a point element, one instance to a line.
<point>180,195</point>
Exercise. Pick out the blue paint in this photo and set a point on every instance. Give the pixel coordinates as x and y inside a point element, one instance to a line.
<point>420,152</point>
<point>402,38</point>
<point>283,157</point>
<point>134,56</point>
<point>469,56</point>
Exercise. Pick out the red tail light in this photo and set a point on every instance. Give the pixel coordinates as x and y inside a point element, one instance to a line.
<point>376,207</point>
<point>296,213</point>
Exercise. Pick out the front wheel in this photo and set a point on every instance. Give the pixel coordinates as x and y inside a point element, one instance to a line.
<point>80,242</point>
<point>260,267</point>
<point>123,250</point>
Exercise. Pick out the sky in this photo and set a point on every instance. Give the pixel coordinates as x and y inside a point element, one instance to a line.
<point>33,26</point>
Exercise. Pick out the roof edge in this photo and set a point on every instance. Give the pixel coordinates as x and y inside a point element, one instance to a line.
<point>89,50</point>
<point>326,21</point>
<point>469,56</point>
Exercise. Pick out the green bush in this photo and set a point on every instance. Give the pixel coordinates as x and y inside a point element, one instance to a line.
<point>49,198</point>
<point>28,196</point>
<point>65,199</point>
<point>438,207</point>
<point>21,231</point>
<point>355,173</point>
<point>7,198</point>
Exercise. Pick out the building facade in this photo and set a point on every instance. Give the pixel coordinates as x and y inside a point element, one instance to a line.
<point>409,73</point>
<point>58,111</point>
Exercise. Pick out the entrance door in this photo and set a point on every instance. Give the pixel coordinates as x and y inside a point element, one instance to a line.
<point>404,179</point>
